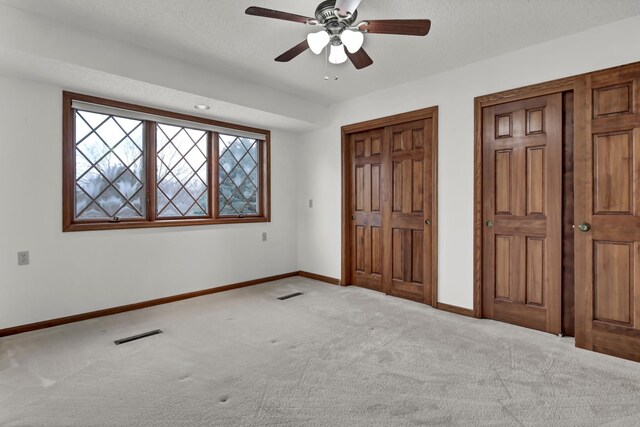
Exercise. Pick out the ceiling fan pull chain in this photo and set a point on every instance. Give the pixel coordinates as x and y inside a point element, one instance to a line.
<point>326,63</point>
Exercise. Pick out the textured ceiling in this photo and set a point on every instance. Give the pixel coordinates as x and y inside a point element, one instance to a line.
<point>218,35</point>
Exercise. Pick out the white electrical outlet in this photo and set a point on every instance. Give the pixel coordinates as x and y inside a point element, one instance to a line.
<point>264,236</point>
<point>23,258</point>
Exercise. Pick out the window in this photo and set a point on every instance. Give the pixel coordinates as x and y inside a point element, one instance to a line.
<point>127,166</point>
<point>182,172</point>
<point>239,175</point>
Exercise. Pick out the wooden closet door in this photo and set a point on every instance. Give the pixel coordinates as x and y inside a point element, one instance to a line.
<point>366,201</point>
<point>607,212</point>
<point>407,207</point>
<point>522,196</point>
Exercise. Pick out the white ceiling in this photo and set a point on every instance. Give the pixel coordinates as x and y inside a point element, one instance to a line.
<point>216,34</point>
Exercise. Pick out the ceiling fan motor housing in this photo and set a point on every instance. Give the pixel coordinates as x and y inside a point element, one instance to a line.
<point>325,14</point>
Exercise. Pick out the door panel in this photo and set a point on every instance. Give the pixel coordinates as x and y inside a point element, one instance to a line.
<point>522,193</point>
<point>366,266</point>
<point>392,179</point>
<point>607,171</point>
<point>407,216</point>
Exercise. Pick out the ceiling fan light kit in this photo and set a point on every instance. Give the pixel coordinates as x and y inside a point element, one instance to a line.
<point>345,38</point>
<point>352,40</point>
<point>337,55</point>
<point>318,41</point>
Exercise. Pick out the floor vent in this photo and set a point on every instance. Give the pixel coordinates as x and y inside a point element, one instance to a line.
<point>290,296</point>
<point>137,337</point>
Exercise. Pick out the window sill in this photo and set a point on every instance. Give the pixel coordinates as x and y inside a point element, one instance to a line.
<point>161,223</point>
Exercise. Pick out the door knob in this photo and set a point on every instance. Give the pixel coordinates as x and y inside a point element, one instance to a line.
<point>584,227</point>
<point>427,221</point>
<point>489,224</point>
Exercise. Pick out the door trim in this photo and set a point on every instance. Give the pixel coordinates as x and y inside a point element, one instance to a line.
<point>422,114</point>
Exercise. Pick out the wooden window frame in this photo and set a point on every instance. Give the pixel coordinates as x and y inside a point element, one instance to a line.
<point>69,223</point>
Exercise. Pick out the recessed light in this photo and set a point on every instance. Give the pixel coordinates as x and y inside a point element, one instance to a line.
<point>201,107</point>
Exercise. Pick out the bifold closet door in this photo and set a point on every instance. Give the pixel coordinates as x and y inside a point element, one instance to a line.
<point>408,185</point>
<point>607,212</point>
<point>522,213</point>
<point>391,202</point>
<point>366,201</point>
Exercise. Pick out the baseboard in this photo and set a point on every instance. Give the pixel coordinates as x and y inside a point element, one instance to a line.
<point>136,306</point>
<point>455,309</point>
<point>319,277</point>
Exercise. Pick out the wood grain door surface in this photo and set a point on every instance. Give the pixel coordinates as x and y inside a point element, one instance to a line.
<point>391,200</point>
<point>366,201</point>
<point>522,197</point>
<point>607,173</point>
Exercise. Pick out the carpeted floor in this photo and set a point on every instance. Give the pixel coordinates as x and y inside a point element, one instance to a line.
<point>333,356</point>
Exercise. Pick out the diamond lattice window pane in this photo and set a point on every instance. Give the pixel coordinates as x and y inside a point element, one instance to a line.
<point>227,188</point>
<point>92,147</point>
<point>82,200</point>
<point>227,161</point>
<point>170,186</point>
<point>196,158</point>
<point>162,201</point>
<point>93,183</point>
<point>109,164</point>
<point>111,167</point>
<point>183,201</point>
<point>94,120</point>
<point>93,212</point>
<point>247,189</point>
<point>248,164</point>
<point>111,201</point>
<point>169,211</point>
<point>226,141</point>
<point>238,176</point>
<point>128,151</point>
<point>128,185</point>
<point>181,172</point>
<point>82,129</point>
<point>82,164</point>
<point>253,176</point>
<point>248,143</point>
<point>238,167</point>
<point>111,133</point>
<point>128,125</point>
<point>237,149</point>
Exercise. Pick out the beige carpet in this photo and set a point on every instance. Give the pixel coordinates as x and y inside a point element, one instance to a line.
<point>333,356</point>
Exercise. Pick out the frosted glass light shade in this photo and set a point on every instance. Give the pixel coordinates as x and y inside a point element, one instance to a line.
<point>337,54</point>
<point>352,40</point>
<point>317,41</point>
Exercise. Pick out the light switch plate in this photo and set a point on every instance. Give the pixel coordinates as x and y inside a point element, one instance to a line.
<point>23,258</point>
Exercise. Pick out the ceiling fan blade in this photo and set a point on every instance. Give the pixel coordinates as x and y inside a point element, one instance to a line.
<point>404,27</point>
<point>293,52</point>
<point>360,59</point>
<point>347,7</point>
<point>276,14</point>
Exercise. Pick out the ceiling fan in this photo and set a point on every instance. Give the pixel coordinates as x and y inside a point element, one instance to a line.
<point>339,30</point>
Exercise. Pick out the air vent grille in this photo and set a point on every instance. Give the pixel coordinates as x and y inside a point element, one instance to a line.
<point>137,337</point>
<point>290,296</point>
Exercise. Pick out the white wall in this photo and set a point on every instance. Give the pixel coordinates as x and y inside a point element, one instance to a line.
<point>453,91</point>
<point>72,273</point>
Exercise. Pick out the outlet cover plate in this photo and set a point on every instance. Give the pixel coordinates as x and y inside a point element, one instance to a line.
<point>23,258</point>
